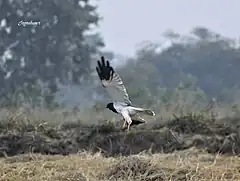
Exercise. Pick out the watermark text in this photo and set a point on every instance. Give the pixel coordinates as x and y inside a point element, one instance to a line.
<point>28,23</point>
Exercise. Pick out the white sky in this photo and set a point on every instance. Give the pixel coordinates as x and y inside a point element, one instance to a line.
<point>128,22</point>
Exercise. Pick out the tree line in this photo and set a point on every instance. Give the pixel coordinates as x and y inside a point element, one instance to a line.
<point>36,59</point>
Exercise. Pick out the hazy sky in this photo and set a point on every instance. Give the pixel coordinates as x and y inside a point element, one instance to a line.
<point>128,22</point>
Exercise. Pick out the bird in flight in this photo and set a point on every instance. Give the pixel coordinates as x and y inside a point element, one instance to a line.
<point>121,104</point>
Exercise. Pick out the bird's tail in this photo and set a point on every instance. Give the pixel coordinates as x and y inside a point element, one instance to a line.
<point>149,112</point>
<point>144,111</point>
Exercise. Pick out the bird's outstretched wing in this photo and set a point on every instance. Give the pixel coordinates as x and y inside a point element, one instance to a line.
<point>112,82</point>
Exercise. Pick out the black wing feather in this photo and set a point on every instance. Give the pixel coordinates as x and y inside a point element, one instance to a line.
<point>112,81</point>
<point>105,71</point>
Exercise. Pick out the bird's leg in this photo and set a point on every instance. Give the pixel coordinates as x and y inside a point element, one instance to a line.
<point>128,127</point>
<point>127,118</point>
<point>129,124</point>
<point>124,123</point>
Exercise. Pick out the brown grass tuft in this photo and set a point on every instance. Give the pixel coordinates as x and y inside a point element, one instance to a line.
<point>188,165</point>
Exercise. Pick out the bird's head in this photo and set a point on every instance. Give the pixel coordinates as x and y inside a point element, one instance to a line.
<point>109,105</point>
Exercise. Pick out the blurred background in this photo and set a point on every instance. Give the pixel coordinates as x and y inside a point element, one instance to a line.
<point>175,57</point>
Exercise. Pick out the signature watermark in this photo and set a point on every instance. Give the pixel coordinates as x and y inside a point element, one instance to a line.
<point>28,23</point>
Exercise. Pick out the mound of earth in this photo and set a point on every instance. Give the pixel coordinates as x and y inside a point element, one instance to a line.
<point>178,134</point>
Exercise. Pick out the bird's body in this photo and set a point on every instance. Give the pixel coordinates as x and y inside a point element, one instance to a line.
<point>118,107</point>
<point>121,104</point>
<point>126,111</point>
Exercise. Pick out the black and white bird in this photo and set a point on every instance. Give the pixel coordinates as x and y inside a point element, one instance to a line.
<point>121,104</point>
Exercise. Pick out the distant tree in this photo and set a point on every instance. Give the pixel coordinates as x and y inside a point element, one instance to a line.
<point>58,50</point>
<point>205,63</point>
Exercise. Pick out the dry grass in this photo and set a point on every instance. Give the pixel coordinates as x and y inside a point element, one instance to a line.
<point>184,165</point>
<point>88,115</point>
<point>188,164</point>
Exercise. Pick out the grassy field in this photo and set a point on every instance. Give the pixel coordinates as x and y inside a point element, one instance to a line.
<point>190,164</point>
<point>191,147</point>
